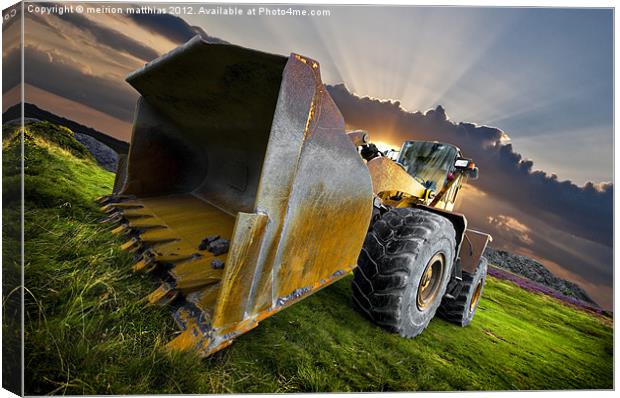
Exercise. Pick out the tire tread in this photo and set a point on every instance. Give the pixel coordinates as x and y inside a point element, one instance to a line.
<point>384,266</point>
<point>456,309</point>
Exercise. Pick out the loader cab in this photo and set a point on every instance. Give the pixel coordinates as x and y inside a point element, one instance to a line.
<point>431,163</point>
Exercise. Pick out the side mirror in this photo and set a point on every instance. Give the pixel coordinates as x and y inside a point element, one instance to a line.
<point>461,163</point>
<point>467,167</point>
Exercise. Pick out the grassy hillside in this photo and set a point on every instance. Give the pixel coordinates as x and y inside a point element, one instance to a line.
<point>88,330</point>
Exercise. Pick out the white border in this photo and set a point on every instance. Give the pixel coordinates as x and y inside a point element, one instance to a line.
<point>478,3</point>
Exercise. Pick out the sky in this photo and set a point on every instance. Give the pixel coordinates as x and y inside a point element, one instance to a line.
<point>543,75</point>
<point>525,92</point>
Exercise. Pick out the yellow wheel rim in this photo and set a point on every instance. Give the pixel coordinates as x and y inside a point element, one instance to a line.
<point>430,282</point>
<point>475,297</point>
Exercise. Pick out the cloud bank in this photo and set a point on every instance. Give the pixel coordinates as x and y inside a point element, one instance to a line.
<point>172,27</point>
<point>85,79</point>
<point>69,81</point>
<point>110,37</point>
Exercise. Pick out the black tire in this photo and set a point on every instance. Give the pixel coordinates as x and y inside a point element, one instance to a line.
<point>376,214</point>
<point>461,310</point>
<point>396,255</point>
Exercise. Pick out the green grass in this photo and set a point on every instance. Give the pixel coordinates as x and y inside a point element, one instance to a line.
<point>89,331</point>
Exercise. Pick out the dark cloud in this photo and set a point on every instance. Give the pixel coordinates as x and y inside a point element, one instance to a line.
<point>579,260</point>
<point>583,211</point>
<point>171,27</point>
<point>11,68</point>
<point>45,21</point>
<point>11,71</point>
<point>51,73</point>
<point>110,37</point>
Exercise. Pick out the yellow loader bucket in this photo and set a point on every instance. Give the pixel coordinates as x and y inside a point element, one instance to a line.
<point>241,188</point>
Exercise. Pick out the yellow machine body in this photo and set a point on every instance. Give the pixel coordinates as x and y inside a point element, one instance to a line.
<point>248,147</point>
<point>396,188</point>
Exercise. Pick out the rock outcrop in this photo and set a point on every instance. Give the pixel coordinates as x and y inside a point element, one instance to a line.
<point>536,272</point>
<point>106,157</point>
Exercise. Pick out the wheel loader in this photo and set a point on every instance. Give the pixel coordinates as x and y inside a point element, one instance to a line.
<point>243,193</point>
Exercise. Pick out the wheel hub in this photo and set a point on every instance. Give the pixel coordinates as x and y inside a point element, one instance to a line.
<point>430,282</point>
<point>475,297</point>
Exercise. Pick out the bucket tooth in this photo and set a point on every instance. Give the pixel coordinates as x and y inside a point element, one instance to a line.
<point>116,218</point>
<point>115,207</point>
<point>103,200</point>
<point>106,208</point>
<point>163,295</point>
<point>131,245</point>
<point>121,229</point>
<point>151,258</point>
<point>136,213</point>
<point>111,211</point>
<point>145,264</point>
<point>158,236</point>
